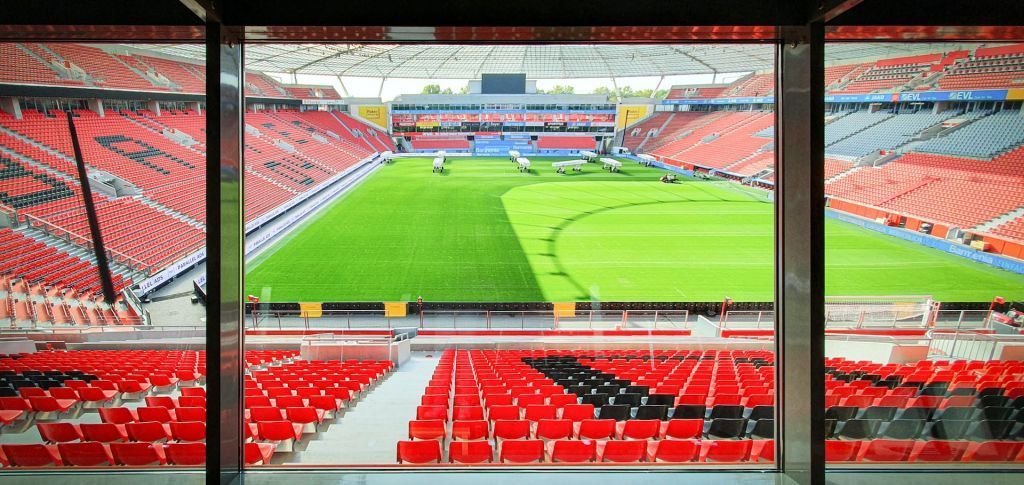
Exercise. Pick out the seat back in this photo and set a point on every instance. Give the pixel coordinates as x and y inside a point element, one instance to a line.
<point>86,453</point>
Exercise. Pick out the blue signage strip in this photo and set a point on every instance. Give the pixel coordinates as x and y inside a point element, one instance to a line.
<point>975,95</point>
<point>943,245</point>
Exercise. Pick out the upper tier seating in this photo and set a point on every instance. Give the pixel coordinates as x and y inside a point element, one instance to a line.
<point>892,74</point>
<point>565,143</point>
<point>39,263</point>
<point>989,68</point>
<point>680,128</point>
<point>318,92</point>
<point>21,67</point>
<point>104,70</point>
<point>190,78</point>
<point>702,92</point>
<point>756,85</point>
<point>259,84</point>
<point>837,75</point>
<point>886,135</point>
<point>983,138</point>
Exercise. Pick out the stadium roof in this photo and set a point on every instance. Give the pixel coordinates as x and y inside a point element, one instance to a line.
<point>566,61</point>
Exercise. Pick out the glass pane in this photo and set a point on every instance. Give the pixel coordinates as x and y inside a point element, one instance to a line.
<point>924,245</point>
<point>85,381</point>
<point>535,277</point>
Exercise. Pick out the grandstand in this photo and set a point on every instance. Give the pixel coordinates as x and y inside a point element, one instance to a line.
<point>498,315</point>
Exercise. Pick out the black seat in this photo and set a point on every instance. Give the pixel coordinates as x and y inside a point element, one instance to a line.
<point>689,411</point>
<point>661,400</point>
<point>762,412</point>
<point>903,429</point>
<point>946,430</point>
<point>8,392</point>
<point>618,412</point>
<point>993,401</point>
<point>934,389</point>
<point>858,429</point>
<point>764,429</point>
<point>992,391</point>
<point>989,430</point>
<point>580,390</point>
<point>598,399</point>
<point>841,413</point>
<point>830,428</point>
<point>996,413</point>
<point>641,390</point>
<point>917,412</point>
<point>963,391</point>
<point>883,413</point>
<point>633,400</point>
<point>728,411</point>
<point>726,428</point>
<point>648,411</point>
<point>956,413</point>
<point>1018,402</point>
<point>607,389</point>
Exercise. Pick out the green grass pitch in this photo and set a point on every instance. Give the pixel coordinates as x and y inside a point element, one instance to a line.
<point>483,231</point>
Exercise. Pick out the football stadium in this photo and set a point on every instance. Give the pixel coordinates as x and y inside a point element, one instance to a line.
<point>471,255</point>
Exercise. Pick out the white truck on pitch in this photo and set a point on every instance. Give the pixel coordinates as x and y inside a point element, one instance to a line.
<point>588,156</point>
<point>387,156</point>
<point>439,165</point>
<point>646,160</point>
<point>441,154</point>
<point>524,164</point>
<point>577,165</point>
<point>611,164</point>
<point>514,154</point>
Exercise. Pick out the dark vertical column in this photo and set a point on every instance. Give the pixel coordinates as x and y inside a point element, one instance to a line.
<point>800,240</point>
<point>224,338</point>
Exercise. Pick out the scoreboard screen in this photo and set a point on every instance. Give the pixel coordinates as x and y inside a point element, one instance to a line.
<point>503,84</point>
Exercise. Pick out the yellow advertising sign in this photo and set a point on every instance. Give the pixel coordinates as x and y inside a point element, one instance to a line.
<point>565,309</point>
<point>1015,94</point>
<point>376,114</point>
<point>394,309</point>
<point>631,113</point>
<point>311,310</point>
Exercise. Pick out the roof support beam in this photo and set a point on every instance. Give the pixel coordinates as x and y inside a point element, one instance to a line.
<point>830,9</point>
<point>344,90</point>
<point>206,10</point>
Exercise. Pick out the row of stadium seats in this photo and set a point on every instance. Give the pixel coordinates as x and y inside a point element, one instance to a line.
<point>565,143</point>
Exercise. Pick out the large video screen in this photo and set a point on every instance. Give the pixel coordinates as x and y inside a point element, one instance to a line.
<point>503,83</point>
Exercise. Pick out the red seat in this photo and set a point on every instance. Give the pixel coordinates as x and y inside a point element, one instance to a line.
<point>190,414</point>
<point>470,451</point>
<point>264,413</point>
<point>103,432</point>
<point>537,412</point>
<point>432,412</point>
<point>554,429</point>
<point>59,432</point>
<point>940,450</point>
<point>764,452</point>
<point>49,404</point>
<point>467,413</point>
<point>193,391</point>
<point>511,429</point>
<point>305,415</point>
<point>503,412</point>
<point>279,430</point>
<point>578,412</point>
<point>86,453</point>
<point>189,454</point>
<point>118,415</point>
<point>434,400</point>
<point>675,451</point>
<point>427,429</point>
<point>470,430</point>
<point>727,451</point>
<point>188,431</point>
<point>684,428</point>
<point>31,455</point>
<point>839,451</point>
<point>562,400</point>
<point>887,450</point>
<point>596,429</point>
<point>994,451</point>
<point>522,451</point>
<point>92,394</point>
<point>158,414</point>
<point>630,451</point>
<point>138,454</point>
<point>327,404</point>
<point>573,451</point>
<point>161,401</point>
<point>428,451</point>
<point>258,453</point>
<point>149,431</point>
<point>192,401</point>
<point>641,429</point>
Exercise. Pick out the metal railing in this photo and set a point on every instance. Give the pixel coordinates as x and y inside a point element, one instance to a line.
<point>839,318</point>
<point>969,344</point>
<point>962,319</point>
<point>474,320</point>
<point>86,243</point>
